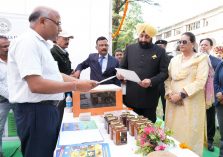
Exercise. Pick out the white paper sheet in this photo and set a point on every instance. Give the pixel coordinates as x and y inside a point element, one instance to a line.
<point>106,87</point>
<point>128,75</point>
<point>81,136</point>
<point>109,78</point>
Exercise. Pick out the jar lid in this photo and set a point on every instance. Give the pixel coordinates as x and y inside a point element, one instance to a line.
<point>134,119</point>
<point>114,122</point>
<point>108,115</point>
<point>140,122</point>
<point>130,116</point>
<point>112,118</point>
<point>140,116</point>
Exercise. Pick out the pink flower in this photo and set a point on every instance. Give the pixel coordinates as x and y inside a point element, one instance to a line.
<point>148,130</point>
<point>142,142</point>
<point>161,147</point>
<point>161,134</point>
<point>144,136</point>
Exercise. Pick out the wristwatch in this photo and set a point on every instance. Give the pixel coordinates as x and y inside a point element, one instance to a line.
<point>183,95</point>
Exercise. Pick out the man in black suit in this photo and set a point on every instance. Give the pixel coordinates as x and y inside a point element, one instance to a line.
<point>206,45</point>
<point>163,44</point>
<point>61,55</point>
<point>150,62</point>
<point>102,65</point>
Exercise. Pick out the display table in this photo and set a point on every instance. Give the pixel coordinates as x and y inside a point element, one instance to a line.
<point>126,150</point>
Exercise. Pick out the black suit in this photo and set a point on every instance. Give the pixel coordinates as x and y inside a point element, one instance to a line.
<point>151,63</point>
<point>64,65</point>
<point>211,111</point>
<point>96,73</point>
<point>62,59</point>
<point>162,91</point>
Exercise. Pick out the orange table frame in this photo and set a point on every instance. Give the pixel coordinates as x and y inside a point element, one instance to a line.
<point>96,111</point>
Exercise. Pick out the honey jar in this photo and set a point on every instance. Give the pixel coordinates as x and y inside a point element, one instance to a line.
<point>120,135</point>
<point>106,118</point>
<point>109,119</point>
<point>137,128</point>
<point>132,122</point>
<point>127,120</point>
<point>123,118</point>
<point>113,122</point>
<point>112,127</point>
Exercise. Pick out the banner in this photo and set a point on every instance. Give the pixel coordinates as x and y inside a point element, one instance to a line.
<point>12,25</point>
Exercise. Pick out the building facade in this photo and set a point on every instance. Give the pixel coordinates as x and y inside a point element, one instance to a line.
<point>208,24</point>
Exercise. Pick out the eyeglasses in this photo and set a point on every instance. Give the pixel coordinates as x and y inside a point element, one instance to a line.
<point>6,46</point>
<point>56,23</point>
<point>184,42</point>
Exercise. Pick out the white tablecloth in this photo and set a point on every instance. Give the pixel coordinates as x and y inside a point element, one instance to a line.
<point>129,148</point>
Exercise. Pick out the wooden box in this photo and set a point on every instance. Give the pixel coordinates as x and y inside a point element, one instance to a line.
<point>103,98</point>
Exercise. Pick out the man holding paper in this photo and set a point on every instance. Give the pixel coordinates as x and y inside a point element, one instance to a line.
<point>150,63</point>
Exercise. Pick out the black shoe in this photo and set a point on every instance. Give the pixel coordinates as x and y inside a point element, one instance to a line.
<point>210,147</point>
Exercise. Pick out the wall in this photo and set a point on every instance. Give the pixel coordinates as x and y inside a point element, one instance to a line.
<point>86,20</point>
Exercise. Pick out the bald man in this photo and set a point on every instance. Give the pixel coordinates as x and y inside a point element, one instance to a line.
<point>150,62</point>
<point>36,85</point>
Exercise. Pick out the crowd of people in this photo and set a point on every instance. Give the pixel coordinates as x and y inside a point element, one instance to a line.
<point>190,83</point>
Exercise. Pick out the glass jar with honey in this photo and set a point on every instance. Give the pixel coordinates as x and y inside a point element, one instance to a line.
<point>120,135</point>
<point>112,123</point>
<point>109,119</point>
<point>112,127</point>
<point>127,120</point>
<point>137,128</point>
<point>106,118</point>
<point>132,122</point>
<point>123,118</point>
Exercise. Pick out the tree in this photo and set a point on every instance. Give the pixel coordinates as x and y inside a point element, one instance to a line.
<point>126,34</point>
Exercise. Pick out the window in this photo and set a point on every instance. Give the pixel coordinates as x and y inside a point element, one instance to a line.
<point>167,34</point>
<point>177,31</point>
<point>193,26</point>
<point>159,37</point>
<point>205,22</point>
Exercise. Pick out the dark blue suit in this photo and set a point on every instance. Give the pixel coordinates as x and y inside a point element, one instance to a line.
<point>218,87</point>
<point>211,111</point>
<point>96,73</point>
<point>214,61</point>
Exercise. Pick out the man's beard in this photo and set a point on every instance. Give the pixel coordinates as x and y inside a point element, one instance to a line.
<point>145,45</point>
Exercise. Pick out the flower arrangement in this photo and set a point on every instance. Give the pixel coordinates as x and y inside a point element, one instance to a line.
<point>153,138</point>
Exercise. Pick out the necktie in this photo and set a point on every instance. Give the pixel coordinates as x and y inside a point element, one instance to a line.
<point>101,60</point>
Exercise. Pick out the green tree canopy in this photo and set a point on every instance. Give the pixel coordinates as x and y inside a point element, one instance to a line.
<point>133,17</point>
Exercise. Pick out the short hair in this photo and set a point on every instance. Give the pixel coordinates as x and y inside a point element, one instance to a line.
<point>208,39</point>
<point>34,16</point>
<point>118,50</point>
<point>38,12</point>
<point>101,38</point>
<point>3,37</point>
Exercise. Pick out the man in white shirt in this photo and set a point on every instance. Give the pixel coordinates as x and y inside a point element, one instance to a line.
<point>5,106</point>
<point>36,85</point>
